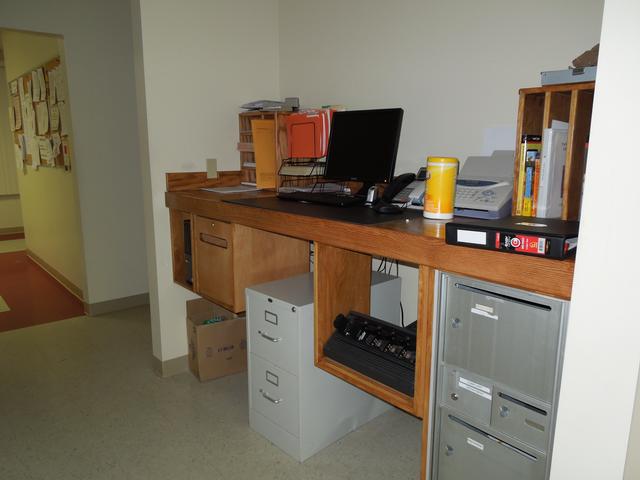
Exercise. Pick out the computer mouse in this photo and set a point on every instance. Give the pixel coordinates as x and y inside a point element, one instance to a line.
<point>384,207</point>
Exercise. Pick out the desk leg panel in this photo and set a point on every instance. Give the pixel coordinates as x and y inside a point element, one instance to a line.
<point>424,351</point>
<point>342,283</point>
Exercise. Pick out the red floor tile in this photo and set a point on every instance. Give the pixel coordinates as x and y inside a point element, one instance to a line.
<point>33,296</point>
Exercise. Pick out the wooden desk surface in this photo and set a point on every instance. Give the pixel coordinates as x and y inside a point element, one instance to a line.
<point>418,241</point>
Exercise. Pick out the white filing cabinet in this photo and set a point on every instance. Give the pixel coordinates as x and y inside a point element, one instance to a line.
<point>298,407</point>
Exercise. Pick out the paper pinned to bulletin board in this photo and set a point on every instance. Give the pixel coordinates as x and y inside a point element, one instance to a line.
<point>39,117</point>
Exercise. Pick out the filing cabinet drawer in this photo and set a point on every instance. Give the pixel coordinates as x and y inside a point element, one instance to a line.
<point>522,418</point>
<point>214,277</point>
<point>504,334</point>
<point>467,451</point>
<point>467,393</point>
<point>274,394</point>
<point>273,330</point>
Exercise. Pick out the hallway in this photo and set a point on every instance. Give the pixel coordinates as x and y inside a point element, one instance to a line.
<point>28,294</point>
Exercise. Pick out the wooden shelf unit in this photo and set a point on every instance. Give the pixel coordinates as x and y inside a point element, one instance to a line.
<point>245,141</point>
<point>571,103</point>
<point>343,283</point>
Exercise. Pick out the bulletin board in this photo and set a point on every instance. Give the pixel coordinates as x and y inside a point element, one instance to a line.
<point>39,117</point>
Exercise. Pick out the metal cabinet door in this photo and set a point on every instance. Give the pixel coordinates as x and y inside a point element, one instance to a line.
<point>504,334</point>
<point>521,417</point>
<point>467,452</point>
<point>467,393</point>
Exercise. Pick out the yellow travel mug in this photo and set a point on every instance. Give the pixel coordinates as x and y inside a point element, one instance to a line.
<point>440,188</point>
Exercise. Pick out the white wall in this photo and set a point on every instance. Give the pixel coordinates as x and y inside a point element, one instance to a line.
<point>99,57</point>
<point>455,67</point>
<point>201,60</point>
<point>602,352</point>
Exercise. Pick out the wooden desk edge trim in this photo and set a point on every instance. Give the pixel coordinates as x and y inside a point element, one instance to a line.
<point>184,181</point>
<point>539,275</point>
<point>380,390</point>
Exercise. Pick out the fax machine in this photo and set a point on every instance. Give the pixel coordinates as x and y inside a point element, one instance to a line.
<point>485,186</point>
<point>483,189</point>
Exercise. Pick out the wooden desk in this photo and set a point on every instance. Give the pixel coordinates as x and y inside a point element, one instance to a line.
<point>342,274</point>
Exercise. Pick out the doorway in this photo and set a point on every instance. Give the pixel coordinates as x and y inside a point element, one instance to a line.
<point>42,275</point>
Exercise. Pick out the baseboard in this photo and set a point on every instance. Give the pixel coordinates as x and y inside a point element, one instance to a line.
<point>100,308</point>
<point>11,231</point>
<point>64,281</point>
<point>172,367</point>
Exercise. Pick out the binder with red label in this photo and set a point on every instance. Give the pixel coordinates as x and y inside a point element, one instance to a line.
<point>541,237</point>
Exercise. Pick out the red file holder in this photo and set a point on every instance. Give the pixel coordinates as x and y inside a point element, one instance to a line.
<point>308,133</point>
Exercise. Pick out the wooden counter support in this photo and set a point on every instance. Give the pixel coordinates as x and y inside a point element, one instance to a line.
<point>342,282</point>
<point>424,350</point>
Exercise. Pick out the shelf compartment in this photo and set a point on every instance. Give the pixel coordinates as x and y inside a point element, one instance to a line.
<point>342,283</point>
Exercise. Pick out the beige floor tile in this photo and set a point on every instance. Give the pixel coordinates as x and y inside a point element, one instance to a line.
<point>79,401</point>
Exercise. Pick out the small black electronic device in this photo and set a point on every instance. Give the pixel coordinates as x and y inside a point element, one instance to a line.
<point>397,185</point>
<point>387,208</point>
<point>375,348</point>
<point>385,205</point>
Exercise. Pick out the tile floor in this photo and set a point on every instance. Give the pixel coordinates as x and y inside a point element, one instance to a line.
<point>78,400</point>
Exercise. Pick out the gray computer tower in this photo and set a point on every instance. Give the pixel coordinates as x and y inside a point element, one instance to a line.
<point>498,365</point>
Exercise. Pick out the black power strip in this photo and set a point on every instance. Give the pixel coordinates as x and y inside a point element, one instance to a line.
<point>375,348</point>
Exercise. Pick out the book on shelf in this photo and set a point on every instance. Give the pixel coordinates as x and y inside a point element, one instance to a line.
<point>536,185</point>
<point>530,147</point>
<point>554,153</point>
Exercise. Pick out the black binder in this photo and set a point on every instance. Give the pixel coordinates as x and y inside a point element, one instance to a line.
<point>540,237</point>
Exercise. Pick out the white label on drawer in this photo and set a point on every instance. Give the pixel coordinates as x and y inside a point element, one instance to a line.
<point>482,313</point>
<point>470,236</point>
<point>473,443</point>
<point>484,308</point>
<point>473,387</point>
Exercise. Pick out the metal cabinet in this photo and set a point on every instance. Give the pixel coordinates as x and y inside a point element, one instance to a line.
<point>297,406</point>
<point>469,452</point>
<point>498,366</point>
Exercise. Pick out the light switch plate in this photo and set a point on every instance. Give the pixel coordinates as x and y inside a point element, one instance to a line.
<point>212,168</point>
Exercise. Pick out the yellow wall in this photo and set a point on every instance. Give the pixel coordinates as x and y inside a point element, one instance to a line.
<point>10,215</point>
<point>49,195</point>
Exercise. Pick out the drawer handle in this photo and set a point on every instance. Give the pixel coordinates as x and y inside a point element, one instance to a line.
<point>276,401</point>
<point>215,241</point>
<point>269,337</point>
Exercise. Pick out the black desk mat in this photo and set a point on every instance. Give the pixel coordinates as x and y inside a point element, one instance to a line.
<point>357,214</point>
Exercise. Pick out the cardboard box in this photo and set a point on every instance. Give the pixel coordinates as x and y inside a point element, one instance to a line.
<point>215,349</point>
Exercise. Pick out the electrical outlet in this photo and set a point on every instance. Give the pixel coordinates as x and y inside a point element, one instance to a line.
<point>212,168</point>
